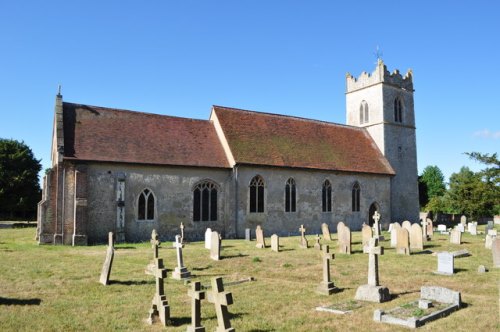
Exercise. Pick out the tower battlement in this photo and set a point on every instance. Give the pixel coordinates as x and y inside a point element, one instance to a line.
<point>379,75</point>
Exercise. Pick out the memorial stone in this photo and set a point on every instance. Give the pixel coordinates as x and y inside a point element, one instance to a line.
<point>460,227</point>
<point>208,238</point>
<point>326,287</point>
<point>463,220</point>
<point>430,227</point>
<point>317,244</point>
<point>406,225</point>
<point>196,295</point>
<point>275,243</point>
<point>180,272</point>
<point>248,234</point>
<point>108,262</point>
<point>488,242</point>
<point>303,241</point>
<point>215,243</point>
<point>344,238</point>
<point>456,236</point>
<point>403,245</point>
<point>445,263</point>
<point>366,234</point>
<point>221,300</point>
<point>394,234</point>
<point>473,228</point>
<point>416,240</point>
<point>495,250</point>
<point>326,232</point>
<point>259,235</point>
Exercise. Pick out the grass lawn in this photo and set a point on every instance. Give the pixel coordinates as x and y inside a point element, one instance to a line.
<point>56,288</point>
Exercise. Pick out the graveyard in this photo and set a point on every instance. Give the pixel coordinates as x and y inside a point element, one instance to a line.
<point>58,287</point>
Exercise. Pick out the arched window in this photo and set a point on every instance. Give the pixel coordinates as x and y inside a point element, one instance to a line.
<point>363,113</point>
<point>205,202</point>
<point>327,196</point>
<point>290,196</point>
<point>257,194</point>
<point>398,110</point>
<point>146,205</point>
<point>355,196</point>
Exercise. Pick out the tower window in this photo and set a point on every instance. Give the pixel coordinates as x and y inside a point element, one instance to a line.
<point>205,202</point>
<point>290,196</point>
<point>256,189</point>
<point>146,205</point>
<point>363,113</point>
<point>327,196</point>
<point>398,110</point>
<point>355,197</point>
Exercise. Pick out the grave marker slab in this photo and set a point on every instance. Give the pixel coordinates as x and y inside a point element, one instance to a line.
<point>108,262</point>
<point>430,227</point>
<point>492,232</point>
<point>303,241</point>
<point>221,300</point>
<point>463,220</point>
<point>208,238</point>
<point>394,234</point>
<point>403,245</point>
<point>248,234</point>
<point>416,239</point>
<point>326,286</point>
<point>445,263</point>
<point>460,227</point>
<point>326,232</point>
<point>317,244</point>
<point>442,228</point>
<point>366,234</point>
<point>275,243</point>
<point>488,242</point>
<point>473,228</point>
<point>159,305</point>
<point>489,226</point>
<point>259,235</point>
<point>180,272</point>
<point>456,236</point>
<point>344,238</point>
<point>215,243</point>
<point>406,225</point>
<point>196,295</point>
<point>495,251</point>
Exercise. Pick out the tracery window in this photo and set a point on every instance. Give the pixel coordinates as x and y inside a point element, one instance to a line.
<point>256,189</point>
<point>205,202</point>
<point>146,205</point>
<point>327,196</point>
<point>290,196</point>
<point>356,190</point>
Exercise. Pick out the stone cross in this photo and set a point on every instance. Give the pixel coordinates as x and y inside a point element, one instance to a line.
<point>326,287</point>
<point>376,226</point>
<point>303,240</point>
<point>182,232</point>
<point>373,252</point>
<point>108,262</point>
<point>221,300</point>
<point>180,271</point>
<point>317,244</point>
<point>196,295</point>
<point>155,243</point>
<point>159,304</point>
<point>425,236</point>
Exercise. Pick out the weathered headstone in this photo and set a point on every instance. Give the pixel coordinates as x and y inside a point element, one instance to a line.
<point>326,287</point>
<point>215,243</point>
<point>445,263</point>
<point>416,240</point>
<point>159,305</point>
<point>208,238</point>
<point>303,241</point>
<point>463,220</point>
<point>196,295</point>
<point>403,245</point>
<point>456,236</point>
<point>394,234</point>
<point>488,241</point>
<point>489,225</point>
<point>407,225</point>
<point>259,235</point>
<point>430,227</point>
<point>492,232</point>
<point>317,244</point>
<point>248,234</point>
<point>376,225</point>
<point>275,243</point>
<point>155,244</point>
<point>180,272</point>
<point>108,262</point>
<point>495,250</point>
<point>442,228</point>
<point>344,238</point>
<point>366,234</point>
<point>460,227</point>
<point>221,300</point>
<point>326,232</point>
<point>473,228</point>
<point>425,236</point>
<point>373,291</point>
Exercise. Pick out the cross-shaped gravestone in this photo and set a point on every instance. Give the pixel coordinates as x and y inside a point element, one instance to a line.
<point>221,300</point>
<point>108,262</point>
<point>317,244</point>
<point>373,252</point>
<point>425,236</point>
<point>196,295</point>
<point>303,240</point>
<point>182,232</point>
<point>159,304</point>
<point>155,243</point>
<point>180,271</point>
<point>376,226</point>
<point>326,287</point>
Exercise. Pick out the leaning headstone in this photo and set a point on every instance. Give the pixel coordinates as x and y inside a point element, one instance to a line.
<point>159,305</point>
<point>445,263</point>
<point>108,262</point>
<point>463,220</point>
<point>366,234</point>
<point>215,243</point>
<point>326,232</point>
<point>495,250</point>
<point>275,243</point>
<point>407,225</point>
<point>456,236</point>
<point>473,228</point>
<point>208,238</point>
<point>259,235</point>
<point>326,287</point>
<point>403,245</point>
<point>317,244</point>
<point>488,242</point>
<point>196,295</point>
<point>430,227</point>
<point>248,234</point>
<point>303,241</point>
<point>180,272</point>
<point>416,239</point>
<point>221,300</point>
<point>344,238</point>
<point>394,234</point>
<point>372,291</point>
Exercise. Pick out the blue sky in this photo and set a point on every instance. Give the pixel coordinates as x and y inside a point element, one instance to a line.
<point>288,57</point>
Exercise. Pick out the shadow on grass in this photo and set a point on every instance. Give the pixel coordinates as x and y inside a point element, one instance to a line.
<point>233,256</point>
<point>131,282</point>
<point>260,330</point>
<point>201,268</point>
<point>7,301</point>
<point>396,295</point>
<point>430,246</point>
<point>423,252</point>
<point>457,270</point>
<point>179,321</point>
<point>289,249</point>
<point>125,248</point>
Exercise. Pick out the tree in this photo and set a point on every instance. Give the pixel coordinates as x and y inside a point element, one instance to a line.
<point>491,178</point>
<point>430,184</point>
<point>19,186</point>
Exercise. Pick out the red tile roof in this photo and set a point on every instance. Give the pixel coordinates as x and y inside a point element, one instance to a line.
<point>278,140</point>
<point>94,133</point>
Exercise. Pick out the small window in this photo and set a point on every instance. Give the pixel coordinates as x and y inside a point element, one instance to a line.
<point>146,205</point>
<point>205,202</point>
<point>256,189</point>
<point>327,196</point>
<point>355,197</point>
<point>398,110</point>
<point>363,113</point>
<point>290,196</point>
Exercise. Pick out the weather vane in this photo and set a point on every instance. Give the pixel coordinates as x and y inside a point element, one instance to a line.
<point>378,54</point>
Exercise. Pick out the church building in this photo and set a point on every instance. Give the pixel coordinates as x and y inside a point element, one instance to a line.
<point>129,172</point>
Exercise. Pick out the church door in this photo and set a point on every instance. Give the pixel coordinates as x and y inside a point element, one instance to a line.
<point>374,207</point>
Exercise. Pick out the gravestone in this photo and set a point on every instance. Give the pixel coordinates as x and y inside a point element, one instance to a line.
<point>416,240</point>
<point>344,238</point>
<point>208,238</point>
<point>376,225</point>
<point>492,232</point>
<point>159,305</point>
<point>326,232</point>
<point>317,244</point>
<point>326,286</point>
<point>442,228</point>
<point>495,251</point>
<point>460,227</point>
<point>215,243</point>
<point>456,236</point>
<point>259,235</point>
<point>407,225</point>
<point>248,234</point>
<point>180,272</point>
<point>303,241</point>
<point>275,243</point>
<point>108,262</point>
<point>155,244</point>
<point>430,227</point>
<point>221,300</point>
<point>182,233</point>
<point>496,220</point>
<point>488,241</point>
<point>445,263</point>
<point>394,234</point>
<point>366,234</point>
<point>473,228</point>
<point>489,225</point>
<point>372,291</point>
<point>196,295</point>
<point>463,220</point>
<point>425,236</point>
<point>403,245</point>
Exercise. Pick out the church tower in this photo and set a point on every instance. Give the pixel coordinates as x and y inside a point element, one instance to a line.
<point>382,102</point>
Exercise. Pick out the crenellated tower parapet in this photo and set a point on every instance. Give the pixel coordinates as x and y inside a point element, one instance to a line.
<point>380,75</point>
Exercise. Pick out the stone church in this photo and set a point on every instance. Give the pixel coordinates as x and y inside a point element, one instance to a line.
<point>130,172</point>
